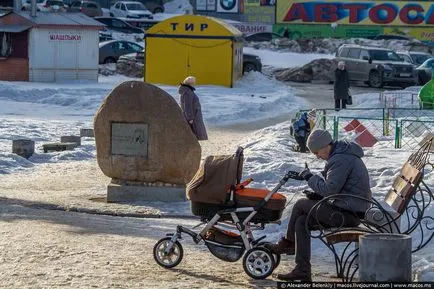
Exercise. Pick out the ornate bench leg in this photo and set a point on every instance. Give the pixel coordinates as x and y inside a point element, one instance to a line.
<point>338,260</point>
<point>350,263</point>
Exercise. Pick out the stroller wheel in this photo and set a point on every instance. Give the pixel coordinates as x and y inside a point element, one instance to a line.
<point>275,256</point>
<point>170,259</point>
<point>258,263</point>
<point>276,260</point>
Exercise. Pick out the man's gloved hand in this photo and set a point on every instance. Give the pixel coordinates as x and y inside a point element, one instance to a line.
<point>305,174</point>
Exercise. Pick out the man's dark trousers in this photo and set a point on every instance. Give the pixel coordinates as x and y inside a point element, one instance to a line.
<point>297,227</point>
<point>301,141</point>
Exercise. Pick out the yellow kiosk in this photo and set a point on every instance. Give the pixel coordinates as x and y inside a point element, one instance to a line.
<point>204,47</point>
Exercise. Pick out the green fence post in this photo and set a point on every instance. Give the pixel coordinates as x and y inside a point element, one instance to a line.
<point>335,127</point>
<point>386,129</point>
<point>324,125</point>
<point>398,134</point>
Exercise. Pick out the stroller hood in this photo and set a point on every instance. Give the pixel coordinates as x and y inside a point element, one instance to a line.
<point>216,174</point>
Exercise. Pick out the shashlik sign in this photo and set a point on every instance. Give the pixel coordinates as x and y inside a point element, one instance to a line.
<point>64,37</point>
<point>391,13</point>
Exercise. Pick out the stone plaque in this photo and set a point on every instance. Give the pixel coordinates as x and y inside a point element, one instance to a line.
<point>129,139</point>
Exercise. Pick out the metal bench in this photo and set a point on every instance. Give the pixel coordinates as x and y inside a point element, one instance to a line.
<point>402,211</point>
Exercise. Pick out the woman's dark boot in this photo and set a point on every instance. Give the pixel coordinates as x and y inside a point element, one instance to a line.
<point>296,275</point>
<point>284,246</point>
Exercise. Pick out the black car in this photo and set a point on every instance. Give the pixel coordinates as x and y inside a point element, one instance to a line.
<point>263,37</point>
<point>118,25</point>
<point>251,63</point>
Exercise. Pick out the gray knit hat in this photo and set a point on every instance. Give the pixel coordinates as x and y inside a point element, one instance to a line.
<point>318,139</point>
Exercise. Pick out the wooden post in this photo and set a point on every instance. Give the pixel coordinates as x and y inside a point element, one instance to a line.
<point>23,147</point>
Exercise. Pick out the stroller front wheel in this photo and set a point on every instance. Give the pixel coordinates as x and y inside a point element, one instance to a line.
<point>168,259</point>
<point>276,260</point>
<point>258,263</point>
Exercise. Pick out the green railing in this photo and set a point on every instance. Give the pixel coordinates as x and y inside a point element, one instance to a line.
<point>397,127</point>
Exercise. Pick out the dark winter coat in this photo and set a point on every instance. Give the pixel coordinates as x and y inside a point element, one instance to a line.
<point>344,173</point>
<point>192,110</point>
<point>342,84</point>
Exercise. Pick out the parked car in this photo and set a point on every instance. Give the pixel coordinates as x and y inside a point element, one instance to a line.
<point>90,8</point>
<point>110,51</point>
<point>130,10</point>
<point>251,62</point>
<point>425,71</point>
<point>105,36</point>
<point>376,66</point>
<point>138,56</point>
<point>118,25</point>
<point>51,6</point>
<point>155,6</point>
<point>262,36</point>
<point>414,57</point>
<point>26,5</point>
<point>45,5</point>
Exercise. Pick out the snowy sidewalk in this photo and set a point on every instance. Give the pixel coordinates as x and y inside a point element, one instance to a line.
<point>80,186</point>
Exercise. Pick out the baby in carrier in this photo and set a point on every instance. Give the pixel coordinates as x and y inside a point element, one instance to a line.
<point>301,129</point>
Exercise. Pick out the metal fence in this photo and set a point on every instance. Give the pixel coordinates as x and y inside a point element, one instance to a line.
<point>400,98</point>
<point>390,127</point>
<point>412,132</point>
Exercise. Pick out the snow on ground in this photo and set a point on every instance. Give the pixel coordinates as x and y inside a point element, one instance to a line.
<point>280,59</point>
<point>44,111</point>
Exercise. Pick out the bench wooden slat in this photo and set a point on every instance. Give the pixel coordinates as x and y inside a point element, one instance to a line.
<point>411,173</point>
<point>403,187</point>
<point>349,235</point>
<point>395,201</point>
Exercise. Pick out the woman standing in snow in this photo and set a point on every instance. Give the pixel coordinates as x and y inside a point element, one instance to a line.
<point>341,87</point>
<point>191,108</point>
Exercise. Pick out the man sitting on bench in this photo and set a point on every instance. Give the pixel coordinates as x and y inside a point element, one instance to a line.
<point>344,173</point>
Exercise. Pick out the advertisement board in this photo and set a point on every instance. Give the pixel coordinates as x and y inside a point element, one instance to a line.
<point>205,5</point>
<point>356,12</point>
<point>297,31</point>
<point>426,35</point>
<point>250,28</point>
<point>259,14</point>
<point>227,6</point>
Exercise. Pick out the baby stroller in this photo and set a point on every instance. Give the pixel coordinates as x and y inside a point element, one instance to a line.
<point>229,211</point>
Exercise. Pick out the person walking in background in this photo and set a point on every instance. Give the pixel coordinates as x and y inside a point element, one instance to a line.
<point>341,86</point>
<point>191,108</point>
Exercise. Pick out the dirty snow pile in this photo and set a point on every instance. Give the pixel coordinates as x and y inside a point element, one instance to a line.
<point>330,45</point>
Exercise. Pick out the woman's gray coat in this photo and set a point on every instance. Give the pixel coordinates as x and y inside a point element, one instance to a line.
<point>191,108</point>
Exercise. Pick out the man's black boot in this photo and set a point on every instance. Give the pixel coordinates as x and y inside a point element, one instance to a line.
<point>296,275</point>
<point>284,246</point>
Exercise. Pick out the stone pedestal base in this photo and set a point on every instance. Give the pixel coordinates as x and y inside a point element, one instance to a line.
<point>124,193</point>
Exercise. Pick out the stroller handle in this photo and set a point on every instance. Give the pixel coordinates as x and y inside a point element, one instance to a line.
<point>293,175</point>
<point>289,175</point>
